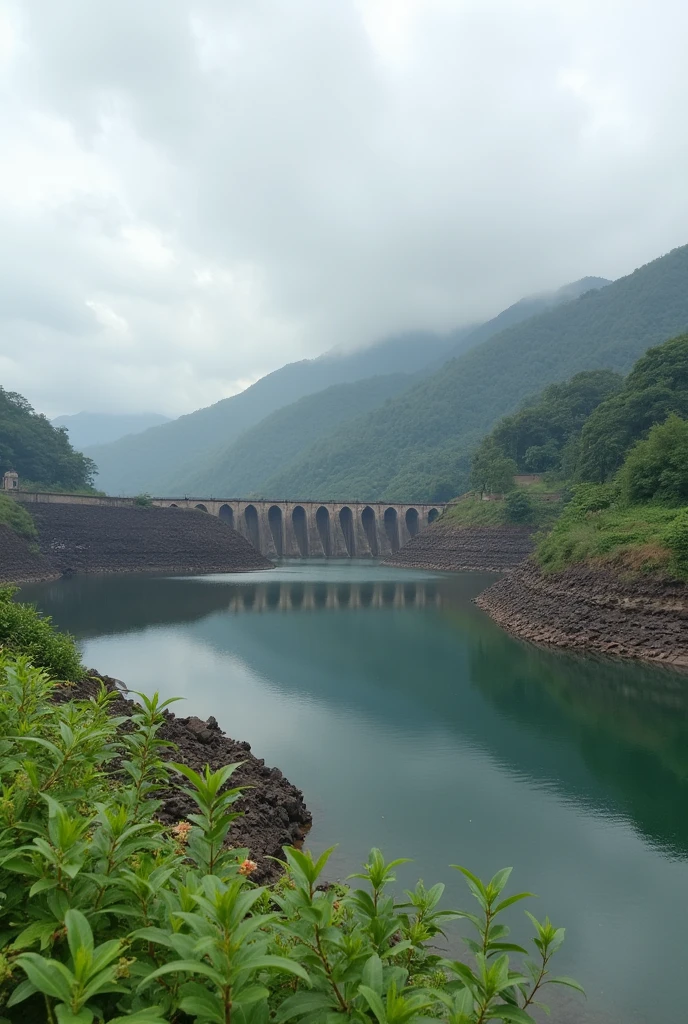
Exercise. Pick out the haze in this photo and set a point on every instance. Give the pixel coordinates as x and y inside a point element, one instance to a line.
<point>194,192</point>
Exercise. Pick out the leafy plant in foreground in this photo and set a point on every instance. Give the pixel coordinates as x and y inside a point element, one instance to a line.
<point>106,915</point>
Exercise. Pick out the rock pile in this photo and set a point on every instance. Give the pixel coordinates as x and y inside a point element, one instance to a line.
<point>445,547</point>
<point>594,608</point>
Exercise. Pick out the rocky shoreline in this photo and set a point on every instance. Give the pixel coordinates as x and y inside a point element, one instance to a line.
<point>594,608</point>
<point>274,812</point>
<point>448,547</point>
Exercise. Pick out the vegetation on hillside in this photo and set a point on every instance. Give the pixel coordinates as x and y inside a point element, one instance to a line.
<point>246,466</point>
<point>14,515</point>
<point>162,459</point>
<point>34,448</point>
<point>109,916</point>
<point>656,386</point>
<point>543,435</point>
<point>401,451</point>
<point>518,507</point>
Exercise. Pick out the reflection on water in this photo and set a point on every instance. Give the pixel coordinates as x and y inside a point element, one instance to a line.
<point>411,721</point>
<point>283,597</point>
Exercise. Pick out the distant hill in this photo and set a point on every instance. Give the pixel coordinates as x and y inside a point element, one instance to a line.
<point>419,444</point>
<point>272,445</point>
<point>163,458</point>
<point>89,428</point>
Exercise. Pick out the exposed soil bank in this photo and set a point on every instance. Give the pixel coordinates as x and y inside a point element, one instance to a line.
<point>447,547</point>
<point>95,538</point>
<point>274,812</point>
<point>593,608</point>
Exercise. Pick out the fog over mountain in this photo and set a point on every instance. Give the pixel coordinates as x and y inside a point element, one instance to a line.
<point>195,193</point>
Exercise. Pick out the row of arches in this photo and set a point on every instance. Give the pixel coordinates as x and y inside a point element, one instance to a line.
<point>250,527</point>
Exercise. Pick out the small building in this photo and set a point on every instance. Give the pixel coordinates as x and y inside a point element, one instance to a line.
<point>10,481</point>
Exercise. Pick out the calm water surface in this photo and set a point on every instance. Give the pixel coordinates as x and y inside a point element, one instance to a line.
<point>413,723</point>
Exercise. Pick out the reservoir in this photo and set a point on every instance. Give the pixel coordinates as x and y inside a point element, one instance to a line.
<point>413,723</point>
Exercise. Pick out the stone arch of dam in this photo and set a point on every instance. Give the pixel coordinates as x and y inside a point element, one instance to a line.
<point>318,529</point>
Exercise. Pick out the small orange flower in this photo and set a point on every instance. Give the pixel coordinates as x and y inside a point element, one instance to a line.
<point>181,831</point>
<point>247,867</point>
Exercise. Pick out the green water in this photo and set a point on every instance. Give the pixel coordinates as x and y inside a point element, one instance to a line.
<point>413,723</point>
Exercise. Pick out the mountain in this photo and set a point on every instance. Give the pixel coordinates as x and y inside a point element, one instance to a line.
<point>90,428</point>
<point>162,459</point>
<point>270,446</point>
<point>246,463</point>
<point>526,308</point>
<point>419,444</point>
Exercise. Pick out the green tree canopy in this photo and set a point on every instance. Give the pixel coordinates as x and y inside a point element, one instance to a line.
<point>656,387</point>
<point>658,466</point>
<point>537,437</point>
<point>36,450</point>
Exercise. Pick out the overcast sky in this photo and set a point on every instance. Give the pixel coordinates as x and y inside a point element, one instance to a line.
<point>194,192</point>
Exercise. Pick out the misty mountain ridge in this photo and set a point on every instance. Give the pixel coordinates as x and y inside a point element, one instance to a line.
<point>168,459</point>
<point>419,446</point>
<point>90,428</point>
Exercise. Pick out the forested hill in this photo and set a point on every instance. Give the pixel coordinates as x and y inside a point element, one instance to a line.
<point>39,452</point>
<point>417,447</point>
<point>160,460</point>
<point>273,444</point>
<point>526,308</point>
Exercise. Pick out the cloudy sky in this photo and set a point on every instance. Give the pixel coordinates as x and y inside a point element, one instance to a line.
<point>193,192</point>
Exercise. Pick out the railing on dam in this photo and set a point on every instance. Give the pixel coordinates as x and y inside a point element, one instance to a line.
<point>293,529</point>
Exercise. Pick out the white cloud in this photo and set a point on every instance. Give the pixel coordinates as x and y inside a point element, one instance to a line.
<point>193,193</point>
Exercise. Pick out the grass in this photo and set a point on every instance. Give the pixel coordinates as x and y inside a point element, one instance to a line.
<point>472,511</point>
<point>597,526</point>
<point>15,516</point>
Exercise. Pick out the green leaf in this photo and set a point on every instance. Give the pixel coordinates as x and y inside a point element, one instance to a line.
<point>43,974</point>
<point>186,966</point>
<point>25,989</point>
<point>372,973</point>
<point>374,1002</point>
<point>304,1002</point>
<point>511,1014</point>
<point>274,963</point>
<point>79,934</point>
<point>151,1015</point>
<point>205,1005</point>
<point>569,982</point>
<point>511,900</point>
<point>500,879</point>
<point>66,1016</point>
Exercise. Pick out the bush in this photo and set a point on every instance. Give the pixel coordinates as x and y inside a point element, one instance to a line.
<point>657,468</point>
<point>24,630</point>
<point>518,508</point>
<point>144,500</point>
<point>109,916</point>
<point>14,515</point>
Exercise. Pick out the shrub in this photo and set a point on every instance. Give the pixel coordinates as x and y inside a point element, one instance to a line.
<point>24,630</point>
<point>14,515</point>
<point>657,468</point>
<point>144,500</point>
<point>518,508</point>
<point>109,916</point>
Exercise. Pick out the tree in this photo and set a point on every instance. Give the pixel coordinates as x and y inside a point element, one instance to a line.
<point>658,466</point>
<point>491,471</point>
<point>656,387</point>
<point>518,507</point>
